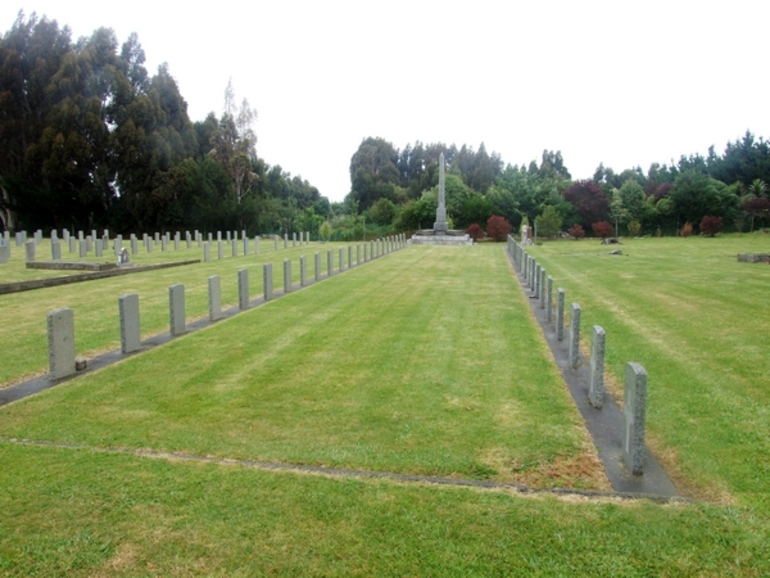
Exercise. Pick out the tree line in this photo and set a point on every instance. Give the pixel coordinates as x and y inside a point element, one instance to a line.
<point>89,140</point>
<point>399,189</point>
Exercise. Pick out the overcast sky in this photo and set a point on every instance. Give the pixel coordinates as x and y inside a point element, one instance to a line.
<point>623,83</point>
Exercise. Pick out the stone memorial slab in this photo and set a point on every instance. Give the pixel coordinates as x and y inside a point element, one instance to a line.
<point>560,314</point>
<point>220,249</point>
<point>176,310</point>
<point>574,336</point>
<point>287,276</point>
<point>215,298</point>
<point>243,288</point>
<point>318,266</point>
<point>207,251</point>
<point>303,271</point>
<point>130,339</point>
<point>342,260</point>
<point>98,248</point>
<point>267,281</point>
<point>635,413</point>
<point>30,251</point>
<point>596,381</point>
<point>329,263</point>
<point>61,343</point>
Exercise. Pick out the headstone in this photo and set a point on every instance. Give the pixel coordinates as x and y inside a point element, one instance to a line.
<point>303,271</point>
<point>560,314</point>
<point>61,343</point>
<point>294,239</point>
<point>80,236</point>
<point>211,237</point>
<point>358,254</point>
<point>549,300</point>
<point>541,287</point>
<point>329,263</point>
<point>19,240</point>
<point>207,251</point>
<point>176,309</point>
<point>287,275</point>
<point>72,244</point>
<point>54,235</point>
<point>234,247</point>
<point>220,249</point>
<point>318,266</point>
<point>596,383</point>
<point>440,227</point>
<point>342,260</point>
<point>228,236</point>
<point>30,251</point>
<point>275,240</point>
<point>635,412</point>
<point>243,288</point>
<point>245,245</point>
<point>89,244</point>
<point>267,281</point>
<point>285,240</point>
<point>164,242</point>
<point>215,297</point>
<point>128,306</point>
<point>256,244</point>
<point>98,248</point>
<point>574,336</point>
<point>134,245</point>
<point>123,257</point>
<point>176,241</point>
<point>188,239</point>
<point>350,256</point>
<point>65,235</point>
<point>366,254</point>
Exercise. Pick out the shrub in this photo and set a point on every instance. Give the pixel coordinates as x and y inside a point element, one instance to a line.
<point>498,227</point>
<point>602,229</point>
<point>634,227</point>
<point>576,231</point>
<point>475,232</point>
<point>686,229</point>
<point>710,225</point>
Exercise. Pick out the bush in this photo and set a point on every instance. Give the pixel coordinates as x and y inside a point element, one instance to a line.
<point>498,228</point>
<point>576,231</point>
<point>602,229</point>
<point>634,227</point>
<point>475,232</point>
<point>686,229</point>
<point>710,225</point>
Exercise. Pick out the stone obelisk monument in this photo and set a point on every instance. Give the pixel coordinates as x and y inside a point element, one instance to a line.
<point>440,227</point>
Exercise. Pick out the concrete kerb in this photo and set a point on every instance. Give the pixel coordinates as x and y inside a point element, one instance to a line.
<point>38,384</point>
<point>607,426</point>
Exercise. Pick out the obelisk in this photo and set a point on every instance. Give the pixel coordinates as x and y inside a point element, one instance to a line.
<point>440,227</point>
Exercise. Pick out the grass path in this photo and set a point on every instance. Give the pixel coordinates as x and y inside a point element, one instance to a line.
<point>424,362</point>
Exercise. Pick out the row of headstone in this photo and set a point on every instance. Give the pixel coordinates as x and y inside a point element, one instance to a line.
<point>61,322</point>
<point>536,279</point>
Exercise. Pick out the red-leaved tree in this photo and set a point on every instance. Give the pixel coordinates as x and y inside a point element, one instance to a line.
<point>710,225</point>
<point>576,231</point>
<point>602,229</point>
<point>498,228</point>
<point>475,232</point>
<point>590,202</point>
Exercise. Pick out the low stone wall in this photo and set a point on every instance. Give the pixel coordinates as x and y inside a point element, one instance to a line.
<point>441,240</point>
<point>71,266</point>
<point>19,286</point>
<point>753,258</point>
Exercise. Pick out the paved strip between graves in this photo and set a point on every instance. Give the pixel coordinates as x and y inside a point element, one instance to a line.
<point>606,425</point>
<point>347,473</point>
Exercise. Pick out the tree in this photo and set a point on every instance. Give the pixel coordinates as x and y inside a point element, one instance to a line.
<point>590,202</point>
<point>382,212</point>
<point>373,172</point>
<point>475,232</point>
<point>498,228</point>
<point>234,142</point>
<point>576,231</point>
<point>696,195</point>
<point>548,223</point>
<point>618,211</point>
<point>325,230</point>
<point>710,225</point>
<point>634,227</point>
<point>754,201</point>
<point>602,229</point>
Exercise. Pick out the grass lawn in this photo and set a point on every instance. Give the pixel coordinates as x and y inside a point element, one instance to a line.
<point>95,303</point>
<point>427,361</point>
<point>697,320</point>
